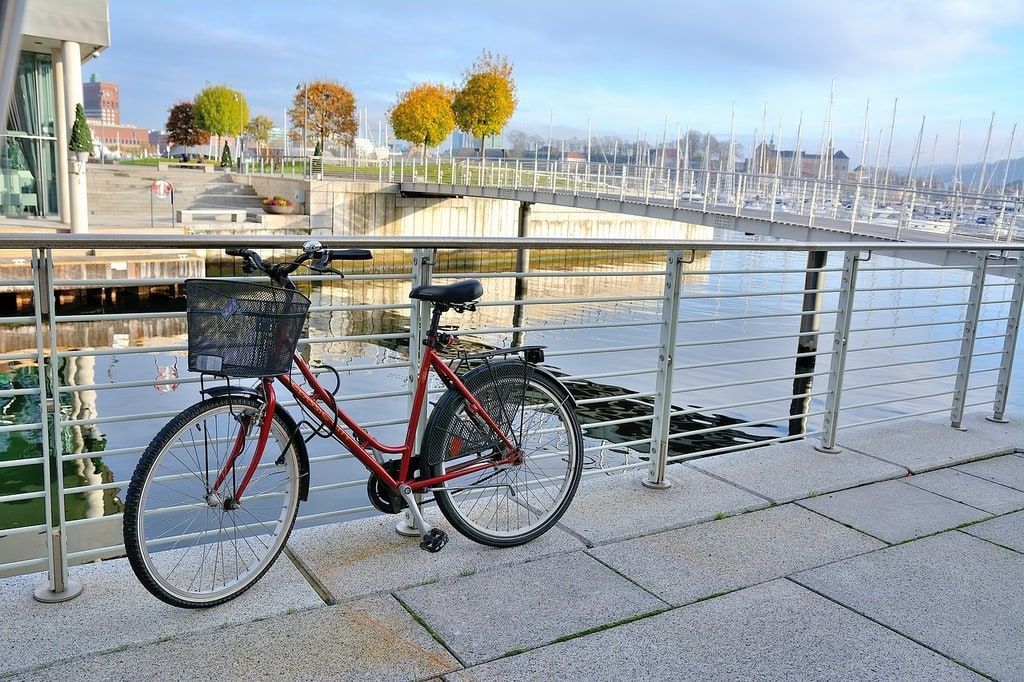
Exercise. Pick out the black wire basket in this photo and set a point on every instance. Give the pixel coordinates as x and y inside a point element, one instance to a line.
<point>242,329</point>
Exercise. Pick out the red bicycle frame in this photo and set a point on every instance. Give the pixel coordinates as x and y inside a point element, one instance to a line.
<point>359,442</point>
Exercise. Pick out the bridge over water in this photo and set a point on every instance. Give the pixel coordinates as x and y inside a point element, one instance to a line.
<point>783,207</point>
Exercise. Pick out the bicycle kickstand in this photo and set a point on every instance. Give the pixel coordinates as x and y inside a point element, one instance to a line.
<point>431,539</point>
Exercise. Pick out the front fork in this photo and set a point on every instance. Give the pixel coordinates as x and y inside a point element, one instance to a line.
<point>244,424</point>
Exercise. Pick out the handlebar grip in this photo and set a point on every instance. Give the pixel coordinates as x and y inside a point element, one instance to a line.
<point>237,251</point>
<point>348,254</point>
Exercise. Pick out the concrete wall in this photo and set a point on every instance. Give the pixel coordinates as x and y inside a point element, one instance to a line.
<point>269,186</point>
<point>372,208</point>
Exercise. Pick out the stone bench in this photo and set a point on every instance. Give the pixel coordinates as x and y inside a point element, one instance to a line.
<point>237,215</point>
<point>165,165</point>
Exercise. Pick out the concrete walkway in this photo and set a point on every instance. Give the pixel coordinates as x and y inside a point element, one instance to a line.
<point>900,558</point>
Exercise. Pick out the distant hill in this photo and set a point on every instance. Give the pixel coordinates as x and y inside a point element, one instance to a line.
<point>969,172</point>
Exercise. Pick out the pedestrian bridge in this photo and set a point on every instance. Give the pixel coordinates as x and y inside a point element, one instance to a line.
<point>790,208</point>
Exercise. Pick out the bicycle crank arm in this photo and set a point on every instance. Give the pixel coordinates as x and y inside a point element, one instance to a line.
<point>431,539</point>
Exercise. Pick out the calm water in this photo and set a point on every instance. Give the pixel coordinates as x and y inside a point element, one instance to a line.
<point>613,325</point>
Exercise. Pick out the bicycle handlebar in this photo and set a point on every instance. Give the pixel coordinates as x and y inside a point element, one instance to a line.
<point>278,272</point>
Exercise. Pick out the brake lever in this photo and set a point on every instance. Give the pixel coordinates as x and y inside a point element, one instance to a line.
<point>325,269</point>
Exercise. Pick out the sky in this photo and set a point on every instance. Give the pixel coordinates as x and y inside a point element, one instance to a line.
<point>615,66</point>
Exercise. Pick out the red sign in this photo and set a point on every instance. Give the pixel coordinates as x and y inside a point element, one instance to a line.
<point>161,189</point>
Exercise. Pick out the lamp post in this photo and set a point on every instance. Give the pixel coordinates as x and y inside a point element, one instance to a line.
<point>305,112</point>
<point>238,138</point>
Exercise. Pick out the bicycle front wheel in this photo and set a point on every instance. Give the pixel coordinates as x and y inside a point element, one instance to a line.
<point>195,544</point>
<point>506,504</point>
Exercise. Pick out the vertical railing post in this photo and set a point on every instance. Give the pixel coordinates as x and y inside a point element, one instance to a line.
<point>738,184</point>
<point>775,196</point>
<point>1009,344</point>
<point>675,189</point>
<point>963,369</point>
<point>660,425</point>
<point>419,321</point>
<point>59,587</point>
<point>840,344</point>
<point>854,204</point>
<point>814,198</point>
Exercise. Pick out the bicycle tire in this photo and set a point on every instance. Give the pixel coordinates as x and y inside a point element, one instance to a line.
<point>279,459</point>
<point>496,386</point>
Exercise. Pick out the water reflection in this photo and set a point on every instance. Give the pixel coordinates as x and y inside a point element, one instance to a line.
<point>75,439</point>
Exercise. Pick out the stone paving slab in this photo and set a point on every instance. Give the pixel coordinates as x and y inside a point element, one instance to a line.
<point>1007,531</point>
<point>791,471</point>
<point>970,490</point>
<point>920,445</point>
<point>366,556</point>
<point>955,593</point>
<point>373,639</point>
<point>893,511</point>
<point>115,610</point>
<point>682,566</point>
<point>617,507</point>
<point>775,631</point>
<point>1007,470</point>
<point>1009,435</point>
<point>491,613</point>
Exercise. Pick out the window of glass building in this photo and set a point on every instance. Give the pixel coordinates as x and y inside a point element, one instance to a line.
<point>28,176</point>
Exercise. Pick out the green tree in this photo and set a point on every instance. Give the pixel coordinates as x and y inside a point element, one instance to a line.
<point>259,128</point>
<point>326,110</point>
<point>220,110</point>
<point>182,128</point>
<point>423,115</point>
<point>487,99</point>
<point>81,136</point>
<point>225,157</point>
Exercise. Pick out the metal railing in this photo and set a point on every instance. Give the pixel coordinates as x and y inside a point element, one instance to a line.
<point>674,350</point>
<point>897,212</point>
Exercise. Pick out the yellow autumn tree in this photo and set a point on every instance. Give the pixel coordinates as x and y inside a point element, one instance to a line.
<point>487,99</point>
<point>423,115</point>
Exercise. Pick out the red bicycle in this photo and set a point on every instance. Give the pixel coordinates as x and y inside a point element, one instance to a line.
<point>215,495</point>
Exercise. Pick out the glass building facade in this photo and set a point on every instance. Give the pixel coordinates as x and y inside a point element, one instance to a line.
<point>28,162</point>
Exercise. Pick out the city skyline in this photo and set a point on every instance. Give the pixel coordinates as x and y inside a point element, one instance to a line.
<point>618,69</point>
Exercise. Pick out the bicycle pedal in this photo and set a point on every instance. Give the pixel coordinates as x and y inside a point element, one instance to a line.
<point>434,541</point>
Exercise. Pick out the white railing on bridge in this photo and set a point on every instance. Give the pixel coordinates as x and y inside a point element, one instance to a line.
<point>675,381</point>
<point>910,212</point>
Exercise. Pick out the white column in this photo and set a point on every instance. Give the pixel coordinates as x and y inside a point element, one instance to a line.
<point>71,55</point>
<point>61,125</point>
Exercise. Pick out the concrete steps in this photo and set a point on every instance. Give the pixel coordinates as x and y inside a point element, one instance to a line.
<point>123,191</point>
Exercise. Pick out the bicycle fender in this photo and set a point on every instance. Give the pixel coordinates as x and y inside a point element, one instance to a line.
<point>298,443</point>
<point>484,369</point>
<point>565,392</point>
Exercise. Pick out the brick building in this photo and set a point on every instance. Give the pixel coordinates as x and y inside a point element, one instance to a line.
<point>102,101</point>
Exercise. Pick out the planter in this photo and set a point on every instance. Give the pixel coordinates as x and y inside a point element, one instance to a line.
<point>82,156</point>
<point>279,210</point>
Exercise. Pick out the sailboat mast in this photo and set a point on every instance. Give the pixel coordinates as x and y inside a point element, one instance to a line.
<point>984,154</point>
<point>931,171</point>
<point>797,170</point>
<point>912,177</point>
<point>826,139</point>
<point>892,129</point>
<point>864,140</point>
<point>1006,168</point>
<point>956,157</point>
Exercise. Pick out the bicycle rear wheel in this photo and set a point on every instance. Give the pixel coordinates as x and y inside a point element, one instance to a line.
<point>506,505</point>
<point>192,546</point>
